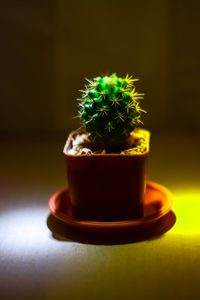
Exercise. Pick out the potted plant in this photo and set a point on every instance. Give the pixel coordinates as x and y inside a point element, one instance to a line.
<point>106,158</point>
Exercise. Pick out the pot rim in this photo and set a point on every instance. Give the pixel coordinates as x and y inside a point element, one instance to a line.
<point>148,135</point>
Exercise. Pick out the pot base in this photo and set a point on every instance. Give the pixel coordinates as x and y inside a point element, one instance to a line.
<point>157,203</point>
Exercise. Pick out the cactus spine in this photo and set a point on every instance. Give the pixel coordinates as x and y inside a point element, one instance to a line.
<point>109,110</point>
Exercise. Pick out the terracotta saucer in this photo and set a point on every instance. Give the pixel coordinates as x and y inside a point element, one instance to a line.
<point>157,203</point>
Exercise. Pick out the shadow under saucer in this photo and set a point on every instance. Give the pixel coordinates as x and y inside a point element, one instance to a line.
<point>62,232</point>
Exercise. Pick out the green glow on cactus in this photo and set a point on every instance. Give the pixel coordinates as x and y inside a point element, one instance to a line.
<point>109,110</point>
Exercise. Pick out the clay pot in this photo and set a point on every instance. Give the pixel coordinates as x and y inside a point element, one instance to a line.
<point>107,187</point>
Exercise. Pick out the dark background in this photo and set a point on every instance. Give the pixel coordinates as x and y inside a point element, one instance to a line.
<point>49,47</point>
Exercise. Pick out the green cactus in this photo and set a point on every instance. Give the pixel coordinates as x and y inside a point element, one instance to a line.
<point>109,110</point>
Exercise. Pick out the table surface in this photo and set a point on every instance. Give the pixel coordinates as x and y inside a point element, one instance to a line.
<point>40,258</point>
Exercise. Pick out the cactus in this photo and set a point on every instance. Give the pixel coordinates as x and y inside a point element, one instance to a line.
<point>109,110</point>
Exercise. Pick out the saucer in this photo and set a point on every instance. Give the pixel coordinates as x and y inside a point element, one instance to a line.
<point>158,201</point>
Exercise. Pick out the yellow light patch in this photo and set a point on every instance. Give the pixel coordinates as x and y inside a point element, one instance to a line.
<point>187,209</point>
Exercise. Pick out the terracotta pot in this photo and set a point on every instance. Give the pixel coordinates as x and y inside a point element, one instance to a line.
<point>107,187</point>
